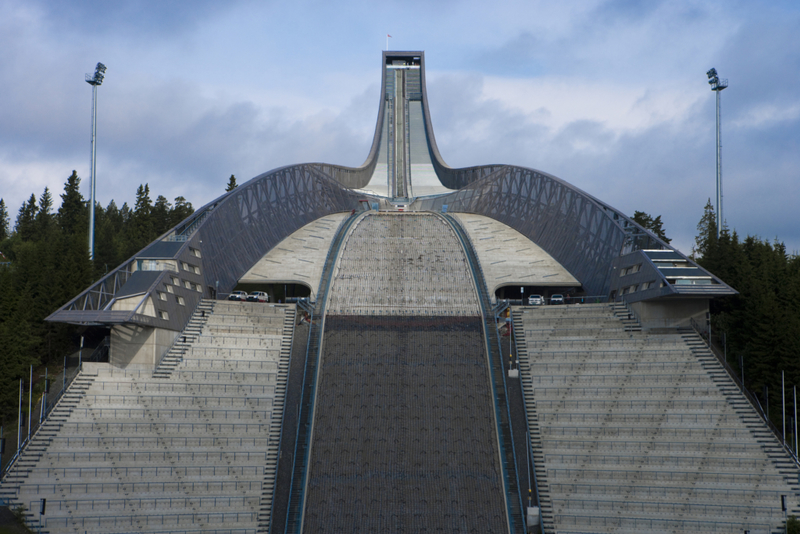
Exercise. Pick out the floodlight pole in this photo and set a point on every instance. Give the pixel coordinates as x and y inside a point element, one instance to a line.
<point>94,81</point>
<point>717,86</point>
<point>94,163</point>
<point>719,171</point>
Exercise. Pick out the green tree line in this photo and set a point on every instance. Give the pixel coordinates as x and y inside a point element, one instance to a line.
<point>759,328</point>
<point>44,263</point>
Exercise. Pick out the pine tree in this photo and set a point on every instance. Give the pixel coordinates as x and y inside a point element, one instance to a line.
<point>141,229</point>
<point>4,220</point>
<point>649,223</point>
<point>110,238</point>
<point>231,184</point>
<point>26,219</point>
<point>181,211</point>
<point>143,204</point>
<point>72,215</point>
<point>705,242</point>
<point>160,215</point>
<point>44,217</point>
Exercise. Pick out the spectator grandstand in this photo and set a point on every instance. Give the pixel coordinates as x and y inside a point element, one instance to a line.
<point>388,400</point>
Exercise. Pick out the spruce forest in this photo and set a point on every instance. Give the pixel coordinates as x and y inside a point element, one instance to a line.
<point>44,263</point>
<point>758,329</point>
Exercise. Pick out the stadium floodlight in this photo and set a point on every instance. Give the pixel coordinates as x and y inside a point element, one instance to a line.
<point>718,85</point>
<point>94,80</point>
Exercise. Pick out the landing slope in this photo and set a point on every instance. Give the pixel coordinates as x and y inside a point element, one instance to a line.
<point>404,436</point>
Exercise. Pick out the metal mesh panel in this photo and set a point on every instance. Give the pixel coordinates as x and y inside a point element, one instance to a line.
<point>404,435</point>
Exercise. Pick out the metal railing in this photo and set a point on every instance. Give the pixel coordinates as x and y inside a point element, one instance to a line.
<point>80,488</point>
<point>664,492</point>
<point>41,410</point>
<point>698,329</point>
<point>246,428</point>
<point>499,386</point>
<point>139,520</point>
<point>169,413</point>
<point>100,354</point>
<point>658,524</point>
<point>150,456</point>
<point>136,504</point>
<point>297,489</point>
<point>183,387</point>
<point>529,441</point>
<point>153,471</point>
<point>180,338</point>
<point>191,400</point>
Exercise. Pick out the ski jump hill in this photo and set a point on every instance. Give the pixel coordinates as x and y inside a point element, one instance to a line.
<point>398,379</point>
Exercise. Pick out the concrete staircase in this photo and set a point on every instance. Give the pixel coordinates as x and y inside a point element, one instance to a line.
<point>769,442</point>
<point>542,486</point>
<point>192,449</point>
<point>40,441</point>
<point>273,449</point>
<point>183,342</point>
<point>636,431</point>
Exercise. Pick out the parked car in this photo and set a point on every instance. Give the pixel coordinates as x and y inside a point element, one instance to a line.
<point>558,298</point>
<point>535,300</point>
<point>258,296</point>
<point>238,295</point>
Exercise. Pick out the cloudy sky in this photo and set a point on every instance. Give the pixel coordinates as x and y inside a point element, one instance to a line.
<point>608,95</point>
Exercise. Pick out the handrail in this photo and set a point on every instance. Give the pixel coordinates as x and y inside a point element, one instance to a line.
<point>485,303</point>
<point>294,515</point>
<point>297,432</point>
<point>631,312</point>
<point>101,350</point>
<point>180,336</point>
<point>68,376</point>
<point>305,304</point>
<point>749,396</point>
<point>532,468</point>
<point>501,306</point>
<point>280,434</point>
<point>528,439</point>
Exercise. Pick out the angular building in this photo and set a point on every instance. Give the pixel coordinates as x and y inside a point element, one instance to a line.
<point>398,380</point>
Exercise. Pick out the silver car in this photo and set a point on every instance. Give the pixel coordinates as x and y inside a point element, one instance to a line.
<point>258,296</point>
<point>535,300</point>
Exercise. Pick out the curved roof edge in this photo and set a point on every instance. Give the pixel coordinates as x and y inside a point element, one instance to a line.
<point>219,243</point>
<point>585,235</point>
<point>224,238</point>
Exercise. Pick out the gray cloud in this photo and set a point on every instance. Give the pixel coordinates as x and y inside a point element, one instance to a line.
<point>195,94</point>
<point>130,19</point>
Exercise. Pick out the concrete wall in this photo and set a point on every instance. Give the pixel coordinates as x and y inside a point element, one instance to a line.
<point>131,303</point>
<point>139,345</point>
<point>670,312</point>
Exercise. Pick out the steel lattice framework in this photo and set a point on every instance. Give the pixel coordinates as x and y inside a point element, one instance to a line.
<point>580,232</point>
<point>222,240</point>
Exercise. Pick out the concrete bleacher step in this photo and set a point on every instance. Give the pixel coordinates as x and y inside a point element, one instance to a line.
<point>748,414</point>
<point>579,453</point>
<point>34,450</point>
<point>534,433</point>
<point>271,467</point>
<point>123,431</point>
